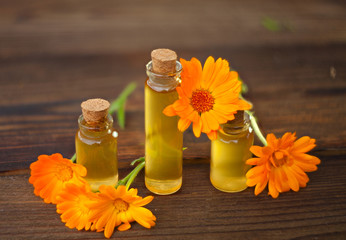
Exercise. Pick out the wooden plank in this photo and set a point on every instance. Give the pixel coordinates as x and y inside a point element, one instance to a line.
<point>198,210</point>
<point>290,87</point>
<point>55,54</point>
<point>64,27</point>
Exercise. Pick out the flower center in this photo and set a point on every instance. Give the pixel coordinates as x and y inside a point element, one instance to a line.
<point>202,100</point>
<point>63,172</point>
<point>279,158</point>
<point>121,205</point>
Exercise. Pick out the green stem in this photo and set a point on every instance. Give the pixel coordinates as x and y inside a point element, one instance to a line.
<point>138,160</point>
<point>123,181</point>
<point>134,174</point>
<point>256,128</point>
<point>73,158</point>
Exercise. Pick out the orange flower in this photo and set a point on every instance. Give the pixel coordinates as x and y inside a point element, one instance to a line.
<point>207,97</point>
<point>119,205</point>
<point>282,164</point>
<point>49,174</point>
<point>73,206</point>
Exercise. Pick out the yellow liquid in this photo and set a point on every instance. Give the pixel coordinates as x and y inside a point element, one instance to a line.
<point>98,153</point>
<point>228,156</point>
<point>163,144</point>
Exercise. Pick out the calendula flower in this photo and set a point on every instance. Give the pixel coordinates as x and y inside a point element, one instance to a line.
<point>281,164</point>
<point>208,97</point>
<point>49,175</point>
<point>118,207</point>
<point>73,205</point>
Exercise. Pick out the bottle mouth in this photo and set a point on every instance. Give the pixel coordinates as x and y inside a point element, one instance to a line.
<point>95,127</point>
<point>150,72</point>
<point>234,128</point>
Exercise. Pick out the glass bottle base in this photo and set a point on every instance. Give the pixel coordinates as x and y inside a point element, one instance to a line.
<point>96,183</point>
<point>231,185</point>
<point>163,187</point>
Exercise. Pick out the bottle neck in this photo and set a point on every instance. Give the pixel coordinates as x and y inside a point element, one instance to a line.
<point>237,126</point>
<point>163,81</point>
<point>97,129</point>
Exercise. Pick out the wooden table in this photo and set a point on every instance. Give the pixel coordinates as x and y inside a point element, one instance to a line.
<point>55,54</point>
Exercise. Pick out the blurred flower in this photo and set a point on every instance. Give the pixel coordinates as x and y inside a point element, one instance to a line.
<point>208,97</point>
<point>49,175</point>
<point>118,207</point>
<point>73,206</point>
<point>282,164</point>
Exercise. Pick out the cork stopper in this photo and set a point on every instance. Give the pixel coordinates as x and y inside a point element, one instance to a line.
<point>95,110</point>
<point>163,60</point>
<point>238,117</point>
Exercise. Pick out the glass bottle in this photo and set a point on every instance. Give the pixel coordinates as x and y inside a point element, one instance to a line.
<point>229,153</point>
<point>163,140</point>
<point>96,149</point>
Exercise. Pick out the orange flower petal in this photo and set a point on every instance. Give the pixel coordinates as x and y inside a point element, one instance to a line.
<point>221,118</point>
<point>257,150</point>
<point>271,186</point>
<point>208,70</point>
<point>292,181</point>
<point>205,124</point>
<point>277,180</point>
<point>212,120</point>
<point>169,111</point>
<point>284,179</point>
<point>140,220</point>
<point>212,135</point>
<point>271,139</point>
<point>255,171</point>
<point>260,186</point>
<point>197,67</point>
<point>102,221</point>
<point>300,176</point>
<point>181,92</point>
<point>143,201</point>
<point>109,229</point>
<point>304,144</point>
<point>193,117</point>
<point>256,180</point>
<point>243,105</point>
<point>305,158</point>
<point>306,167</point>
<point>287,140</point>
<point>220,76</point>
<point>124,227</point>
<point>252,161</point>
<point>197,127</point>
<point>183,124</point>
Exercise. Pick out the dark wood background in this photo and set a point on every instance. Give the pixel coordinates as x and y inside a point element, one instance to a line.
<point>55,54</point>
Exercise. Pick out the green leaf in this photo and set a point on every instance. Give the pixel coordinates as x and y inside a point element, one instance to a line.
<point>244,88</point>
<point>121,116</point>
<point>118,105</point>
<point>271,24</point>
<point>119,101</point>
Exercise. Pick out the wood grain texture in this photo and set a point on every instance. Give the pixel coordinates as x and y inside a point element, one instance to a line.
<point>55,54</point>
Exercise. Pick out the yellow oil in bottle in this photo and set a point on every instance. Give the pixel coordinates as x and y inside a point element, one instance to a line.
<point>229,153</point>
<point>96,149</point>
<point>163,145</point>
